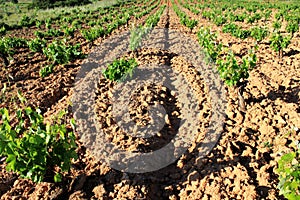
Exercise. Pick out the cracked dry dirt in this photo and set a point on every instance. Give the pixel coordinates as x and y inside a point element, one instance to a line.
<point>240,166</point>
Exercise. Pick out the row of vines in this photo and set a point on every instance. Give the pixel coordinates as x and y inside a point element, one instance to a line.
<point>275,29</point>
<point>43,151</point>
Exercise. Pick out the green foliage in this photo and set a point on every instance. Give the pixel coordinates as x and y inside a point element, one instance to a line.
<point>254,18</point>
<point>289,174</point>
<point>7,46</point>
<point>208,15</point>
<point>36,45</point>
<point>152,20</point>
<point>191,8</point>
<point>38,23</point>
<point>237,18</point>
<point>49,33</point>
<point>229,28</point>
<point>48,25</point>
<point>43,4</point>
<point>243,34</point>
<point>27,21</point>
<point>236,31</point>
<point>231,72</point>
<point>93,33</point>
<point>292,27</point>
<point>119,69</point>
<point>220,20</point>
<point>190,23</point>
<point>2,30</point>
<point>136,36</point>
<point>76,23</point>
<point>45,71</point>
<point>259,33</point>
<point>110,27</point>
<point>267,14</point>
<point>184,19</point>
<point>69,31</point>
<point>206,40</point>
<point>146,10</point>
<point>39,34</point>
<point>60,53</point>
<point>279,42</point>
<point>53,33</point>
<point>279,15</point>
<point>276,25</point>
<point>229,69</point>
<point>138,33</point>
<point>33,148</point>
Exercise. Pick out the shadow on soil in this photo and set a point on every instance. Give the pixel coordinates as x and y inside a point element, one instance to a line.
<point>163,183</point>
<point>286,94</point>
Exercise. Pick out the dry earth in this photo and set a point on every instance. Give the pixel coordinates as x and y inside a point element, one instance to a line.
<point>240,166</point>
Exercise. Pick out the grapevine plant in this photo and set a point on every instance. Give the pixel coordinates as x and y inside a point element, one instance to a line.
<point>279,42</point>
<point>34,149</point>
<point>119,69</point>
<point>60,53</point>
<point>289,173</point>
<point>230,70</point>
<point>7,46</point>
<point>185,19</point>
<point>140,32</point>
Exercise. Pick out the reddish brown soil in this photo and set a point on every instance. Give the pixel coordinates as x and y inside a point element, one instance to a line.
<point>241,166</point>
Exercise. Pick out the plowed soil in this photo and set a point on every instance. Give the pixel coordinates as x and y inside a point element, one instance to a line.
<point>240,166</point>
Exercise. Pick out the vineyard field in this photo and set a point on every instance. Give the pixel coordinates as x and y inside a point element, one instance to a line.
<point>220,77</point>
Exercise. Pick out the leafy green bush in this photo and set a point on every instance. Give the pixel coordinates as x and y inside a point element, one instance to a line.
<point>236,31</point>
<point>34,149</point>
<point>60,53</point>
<point>3,30</point>
<point>207,15</point>
<point>54,33</point>
<point>254,18</point>
<point>243,34</point>
<point>292,27</point>
<point>259,33</point>
<point>191,8</point>
<point>138,33</point>
<point>289,174</point>
<point>152,20</point>
<point>49,33</point>
<point>38,23</point>
<point>27,21</point>
<point>267,14</point>
<point>36,45</point>
<point>190,23</point>
<point>220,20</point>
<point>276,25</point>
<point>69,31</point>
<point>207,40</point>
<point>45,71</point>
<point>231,72</point>
<point>184,19</point>
<point>7,46</point>
<point>136,36</point>
<point>93,33</point>
<point>279,42</point>
<point>229,28</point>
<point>237,18</point>
<point>119,69</point>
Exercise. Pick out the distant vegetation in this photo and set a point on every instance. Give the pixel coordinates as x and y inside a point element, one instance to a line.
<point>13,1</point>
<point>43,4</point>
